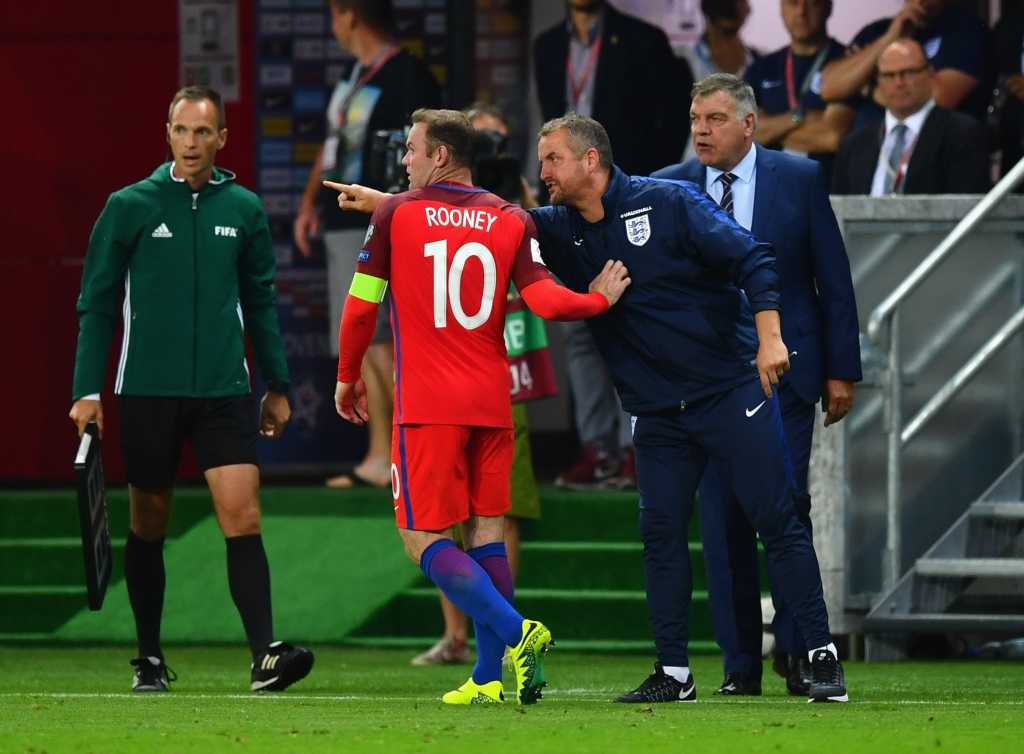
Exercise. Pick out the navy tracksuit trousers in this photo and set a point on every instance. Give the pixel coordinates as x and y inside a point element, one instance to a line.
<point>730,552</point>
<point>743,433</point>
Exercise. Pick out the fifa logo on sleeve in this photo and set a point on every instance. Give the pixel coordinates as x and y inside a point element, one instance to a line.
<point>221,230</point>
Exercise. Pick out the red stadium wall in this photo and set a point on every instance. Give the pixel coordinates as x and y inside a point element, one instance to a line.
<point>84,90</point>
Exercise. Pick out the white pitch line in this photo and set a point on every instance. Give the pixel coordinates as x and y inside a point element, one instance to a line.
<point>599,697</point>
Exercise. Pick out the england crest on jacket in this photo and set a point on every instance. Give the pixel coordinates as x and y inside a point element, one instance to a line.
<point>638,229</point>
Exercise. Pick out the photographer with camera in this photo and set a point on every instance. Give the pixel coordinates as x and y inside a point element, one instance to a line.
<point>386,86</point>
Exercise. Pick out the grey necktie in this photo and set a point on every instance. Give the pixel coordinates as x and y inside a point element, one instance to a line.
<point>899,145</point>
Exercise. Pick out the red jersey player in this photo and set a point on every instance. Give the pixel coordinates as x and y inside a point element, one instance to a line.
<point>449,252</point>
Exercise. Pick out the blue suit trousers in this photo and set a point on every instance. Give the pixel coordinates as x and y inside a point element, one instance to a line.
<point>743,433</point>
<point>730,552</point>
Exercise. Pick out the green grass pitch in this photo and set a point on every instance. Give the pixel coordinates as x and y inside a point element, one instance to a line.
<point>75,700</point>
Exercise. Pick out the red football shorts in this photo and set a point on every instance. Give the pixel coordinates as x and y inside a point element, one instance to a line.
<point>441,474</point>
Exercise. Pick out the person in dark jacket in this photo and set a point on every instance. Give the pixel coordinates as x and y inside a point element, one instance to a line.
<point>695,351</point>
<point>620,71</point>
<point>920,148</point>
<point>957,43</point>
<point>634,87</point>
<point>1009,34</point>
<point>783,200</point>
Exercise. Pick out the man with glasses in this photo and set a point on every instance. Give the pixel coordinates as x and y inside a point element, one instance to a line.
<point>956,43</point>
<point>921,147</point>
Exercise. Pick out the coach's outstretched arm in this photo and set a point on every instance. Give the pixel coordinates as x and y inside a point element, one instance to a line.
<point>549,300</point>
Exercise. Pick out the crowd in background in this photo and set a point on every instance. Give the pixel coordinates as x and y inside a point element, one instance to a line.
<point>928,102</point>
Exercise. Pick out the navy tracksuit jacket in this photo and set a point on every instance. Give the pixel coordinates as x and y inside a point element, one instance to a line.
<point>681,346</point>
<point>793,213</point>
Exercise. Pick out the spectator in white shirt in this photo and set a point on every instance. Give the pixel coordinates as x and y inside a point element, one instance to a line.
<point>921,147</point>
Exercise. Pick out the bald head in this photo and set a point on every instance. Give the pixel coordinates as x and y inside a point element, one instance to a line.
<point>904,78</point>
<point>902,51</point>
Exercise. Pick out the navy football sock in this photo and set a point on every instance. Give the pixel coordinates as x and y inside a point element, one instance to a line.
<point>249,584</point>
<point>470,589</point>
<point>493,559</point>
<point>144,575</point>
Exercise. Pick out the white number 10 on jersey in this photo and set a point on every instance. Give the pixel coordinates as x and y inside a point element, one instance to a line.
<point>448,283</point>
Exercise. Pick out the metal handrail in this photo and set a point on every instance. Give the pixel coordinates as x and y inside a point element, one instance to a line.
<point>958,381</point>
<point>951,329</point>
<point>889,311</point>
<point>885,310</point>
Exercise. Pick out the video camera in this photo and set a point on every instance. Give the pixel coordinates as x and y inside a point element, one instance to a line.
<point>491,169</point>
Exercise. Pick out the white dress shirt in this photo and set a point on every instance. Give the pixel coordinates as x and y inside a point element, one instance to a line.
<point>742,188</point>
<point>914,123</point>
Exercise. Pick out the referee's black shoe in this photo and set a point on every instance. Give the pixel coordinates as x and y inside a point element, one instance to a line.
<point>661,687</point>
<point>739,684</point>
<point>828,682</point>
<point>280,666</point>
<point>151,674</point>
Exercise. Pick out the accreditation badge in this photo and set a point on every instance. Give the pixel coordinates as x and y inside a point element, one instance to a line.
<point>329,160</point>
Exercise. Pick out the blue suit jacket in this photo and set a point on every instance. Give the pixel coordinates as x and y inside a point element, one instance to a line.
<point>819,312</point>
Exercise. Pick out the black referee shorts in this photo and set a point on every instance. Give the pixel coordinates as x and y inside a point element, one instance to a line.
<point>221,431</point>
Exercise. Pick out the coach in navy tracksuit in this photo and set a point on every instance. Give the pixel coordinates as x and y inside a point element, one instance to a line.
<point>782,200</point>
<point>694,348</point>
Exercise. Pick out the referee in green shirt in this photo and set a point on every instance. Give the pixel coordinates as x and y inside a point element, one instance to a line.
<point>191,252</point>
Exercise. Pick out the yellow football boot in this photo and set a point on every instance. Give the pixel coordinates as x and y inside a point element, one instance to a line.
<point>474,693</point>
<point>528,660</point>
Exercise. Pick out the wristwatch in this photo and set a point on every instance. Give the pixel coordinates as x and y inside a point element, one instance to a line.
<point>797,115</point>
<point>278,387</point>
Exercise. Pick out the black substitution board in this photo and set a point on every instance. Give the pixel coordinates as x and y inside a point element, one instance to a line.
<point>92,512</point>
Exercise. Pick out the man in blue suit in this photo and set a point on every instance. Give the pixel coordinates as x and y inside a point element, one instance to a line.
<point>782,200</point>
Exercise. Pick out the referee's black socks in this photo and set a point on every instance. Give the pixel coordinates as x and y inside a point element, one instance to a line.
<point>249,582</point>
<point>145,578</point>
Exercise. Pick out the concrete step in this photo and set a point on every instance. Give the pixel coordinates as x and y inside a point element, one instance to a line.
<point>54,513</point>
<point>53,561</point>
<point>1010,509</point>
<point>570,645</point>
<point>970,567</point>
<point>943,622</point>
<point>599,565</point>
<point>603,516</point>
<point>38,609</point>
<point>591,615</point>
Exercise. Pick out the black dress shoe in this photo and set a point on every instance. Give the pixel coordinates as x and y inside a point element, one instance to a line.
<point>739,684</point>
<point>780,662</point>
<point>798,677</point>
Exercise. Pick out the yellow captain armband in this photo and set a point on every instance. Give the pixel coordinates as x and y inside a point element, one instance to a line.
<point>368,288</point>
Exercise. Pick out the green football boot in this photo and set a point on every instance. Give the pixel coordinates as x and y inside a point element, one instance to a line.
<point>528,660</point>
